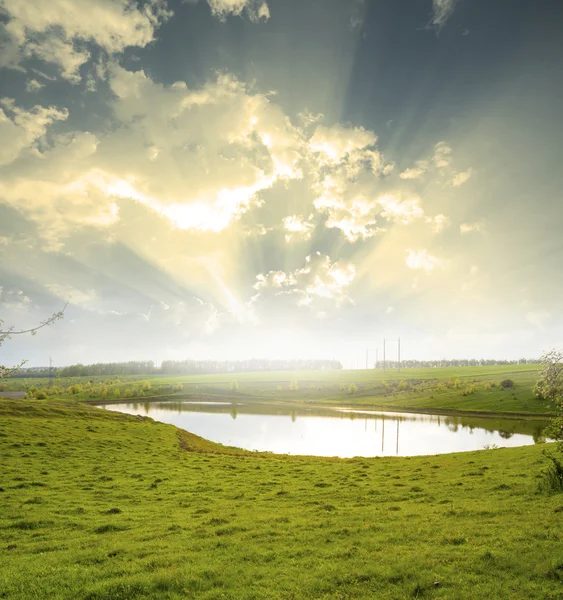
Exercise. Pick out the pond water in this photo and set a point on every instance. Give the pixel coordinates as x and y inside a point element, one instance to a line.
<point>337,431</point>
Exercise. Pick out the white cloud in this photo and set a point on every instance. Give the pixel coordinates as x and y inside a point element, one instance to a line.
<point>441,12</point>
<point>73,295</point>
<point>420,168</point>
<point>14,299</point>
<point>347,170</point>
<point>461,177</point>
<point>422,260</point>
<point>298,228</point>
<point>20,129</point>
<point>442,155</point>
<point>438,223</point>
<point>255,9</point>
<point>33,85</point>
<point>199,158</point>
<point>54,31</point>
<point>476,227</point>
<point>320,280</point>
<point>335,144</point>
<point>308,118</point>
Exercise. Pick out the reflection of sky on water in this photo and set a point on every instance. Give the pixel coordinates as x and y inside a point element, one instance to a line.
<point>347,433</point>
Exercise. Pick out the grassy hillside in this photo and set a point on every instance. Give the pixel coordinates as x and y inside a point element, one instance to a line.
<point>100,506</point>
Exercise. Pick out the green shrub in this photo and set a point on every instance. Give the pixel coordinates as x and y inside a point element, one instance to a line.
<point>352,388</point>
<point>507,383</point>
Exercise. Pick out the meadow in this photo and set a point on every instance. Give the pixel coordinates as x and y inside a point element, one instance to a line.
<point>448,390</point>
<point>100,505</point>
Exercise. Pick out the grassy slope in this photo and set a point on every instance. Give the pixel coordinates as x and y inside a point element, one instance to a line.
<point>240,526</point>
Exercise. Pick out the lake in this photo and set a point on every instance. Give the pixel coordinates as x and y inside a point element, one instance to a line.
<point>337,431</point>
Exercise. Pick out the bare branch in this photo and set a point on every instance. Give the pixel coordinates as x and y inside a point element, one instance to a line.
<point>8,333</point>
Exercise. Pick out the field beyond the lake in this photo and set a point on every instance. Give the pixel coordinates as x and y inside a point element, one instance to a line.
<point>101,505</point>
<point>448,389</point>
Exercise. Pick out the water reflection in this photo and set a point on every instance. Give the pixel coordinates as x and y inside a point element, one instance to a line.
<point>338,432</point>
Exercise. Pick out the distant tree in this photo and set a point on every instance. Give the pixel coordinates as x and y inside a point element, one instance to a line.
<point>549,386</point>
<point>233,386</point>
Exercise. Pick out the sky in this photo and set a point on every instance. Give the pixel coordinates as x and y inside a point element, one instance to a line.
<point>228,179</point>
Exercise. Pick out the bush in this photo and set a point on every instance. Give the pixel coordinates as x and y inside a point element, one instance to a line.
<point>293,385</point>
<point>507,383</point>
<point>352,388</point>
<point>552,480</point>
<point>41,395</point>
<point>233,386</point>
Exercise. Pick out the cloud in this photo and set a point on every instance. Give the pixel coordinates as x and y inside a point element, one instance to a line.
<point>461,177</point>
<point>20,129</point>
<point>416,172</point>
<point>442,155</point>
<point>334,145</point>
<point>320,280</point>
<point>477,227</point>
<point>441,12</point>
<point>57,31</point>
<point>297,227</point>
<point>199,158</point>
<point>422,260</point>
<point>347,172</point>
<point>33,85</point>
<point>438,223</point>
<point>256,10</point>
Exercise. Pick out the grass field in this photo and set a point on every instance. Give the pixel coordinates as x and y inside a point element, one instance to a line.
<point>101,506</point>
<point>473,389</point>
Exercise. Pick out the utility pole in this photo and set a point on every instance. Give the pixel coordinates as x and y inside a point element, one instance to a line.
<point>384,355</point>
<point>399,354</point>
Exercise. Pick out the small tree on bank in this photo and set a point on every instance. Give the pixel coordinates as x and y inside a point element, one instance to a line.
<point>549,386</point>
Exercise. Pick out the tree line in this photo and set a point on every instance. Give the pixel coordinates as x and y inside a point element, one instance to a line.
<point>461,362</point>
<point>177,367</point>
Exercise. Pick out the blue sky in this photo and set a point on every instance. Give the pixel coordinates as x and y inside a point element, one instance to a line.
<point>278,178</point>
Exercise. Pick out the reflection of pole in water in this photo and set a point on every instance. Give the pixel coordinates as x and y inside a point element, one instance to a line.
<point>397,450</point>
<point>382,433</point>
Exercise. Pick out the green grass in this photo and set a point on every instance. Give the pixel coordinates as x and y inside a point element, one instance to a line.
<point>443,389</point>
<point>102,506</point>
